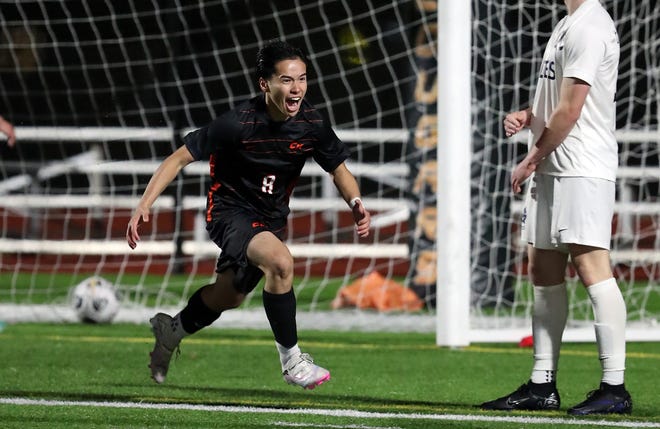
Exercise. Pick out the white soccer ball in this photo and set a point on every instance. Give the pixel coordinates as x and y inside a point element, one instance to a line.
<point>95,300</point>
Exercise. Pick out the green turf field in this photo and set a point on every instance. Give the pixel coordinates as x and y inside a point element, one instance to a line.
<point>96,376</point>
<point>312,294</point>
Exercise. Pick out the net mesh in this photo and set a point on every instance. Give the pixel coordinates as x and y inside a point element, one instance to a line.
<point>102,91</point>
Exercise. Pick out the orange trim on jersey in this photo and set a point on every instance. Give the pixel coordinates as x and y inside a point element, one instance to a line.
<point>212,189</point>
<point>209,209</point>
<point>212,166</point>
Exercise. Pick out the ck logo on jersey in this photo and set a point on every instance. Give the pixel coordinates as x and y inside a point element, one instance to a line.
<point>258,224</point>
<point>295,146</point>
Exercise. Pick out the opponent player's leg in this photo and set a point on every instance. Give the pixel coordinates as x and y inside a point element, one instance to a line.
<point>203,308</point>
<point>546,268</point>
<point>267,252</point>
<point>593,267</point>
<point>550,311</point>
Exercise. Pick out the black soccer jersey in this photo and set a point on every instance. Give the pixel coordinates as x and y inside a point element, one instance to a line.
<point>255,162</point>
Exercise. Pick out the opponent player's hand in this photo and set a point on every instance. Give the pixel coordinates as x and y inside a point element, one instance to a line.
<point>516,121</point>
<point>362,219</point>
<point>520,174</point>
<point>141,215</point>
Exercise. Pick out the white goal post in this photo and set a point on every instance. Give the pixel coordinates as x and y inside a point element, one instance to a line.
<point>454,125</point>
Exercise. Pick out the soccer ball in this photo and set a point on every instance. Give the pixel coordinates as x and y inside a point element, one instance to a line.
<point>95,300</point>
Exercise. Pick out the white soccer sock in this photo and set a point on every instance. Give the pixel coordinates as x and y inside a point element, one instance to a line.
<point>548,322</point>
<point>286,353</point>
<point>610,325</point>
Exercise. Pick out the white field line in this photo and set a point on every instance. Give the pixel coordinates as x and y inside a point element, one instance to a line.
<point>324,426</point>
<point>333,413</point>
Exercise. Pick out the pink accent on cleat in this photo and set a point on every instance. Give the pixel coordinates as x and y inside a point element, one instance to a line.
<point>318,383</point>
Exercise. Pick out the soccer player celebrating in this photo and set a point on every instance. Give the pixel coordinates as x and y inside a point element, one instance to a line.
<point>569,205</point>
<point>256,153</point>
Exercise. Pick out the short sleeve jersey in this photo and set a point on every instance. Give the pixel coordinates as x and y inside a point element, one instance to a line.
<point>255,162</point>
<point>584,45</point>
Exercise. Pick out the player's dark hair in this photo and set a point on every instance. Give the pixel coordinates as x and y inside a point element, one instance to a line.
<point>274,52</point>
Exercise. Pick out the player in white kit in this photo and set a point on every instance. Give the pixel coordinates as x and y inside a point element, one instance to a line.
<point>572,160</point>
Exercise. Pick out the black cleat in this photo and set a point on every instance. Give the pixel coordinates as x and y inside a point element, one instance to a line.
<point>606,400</point>
<point>524,398</point>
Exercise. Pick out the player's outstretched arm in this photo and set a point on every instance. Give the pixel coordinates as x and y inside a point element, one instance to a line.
<point>349,190</point>
<point>163,176</point>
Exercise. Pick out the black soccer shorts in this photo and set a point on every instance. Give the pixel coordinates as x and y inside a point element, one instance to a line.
<point>231,229</point>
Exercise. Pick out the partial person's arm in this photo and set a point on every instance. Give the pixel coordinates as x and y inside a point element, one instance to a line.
<point>8,129</point>
<point>349,190</point>
<point>571,100</point>
<point>163,176</point>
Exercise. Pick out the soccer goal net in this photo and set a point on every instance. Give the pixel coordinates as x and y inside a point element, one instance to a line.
<point>101,92</point>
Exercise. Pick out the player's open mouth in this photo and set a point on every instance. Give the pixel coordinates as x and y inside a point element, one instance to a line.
<point>292,104</point>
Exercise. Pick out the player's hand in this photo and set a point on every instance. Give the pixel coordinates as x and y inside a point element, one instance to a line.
<point>141,215</point>
<point>8,129</point>
<point>362,219</point>
<point>520,174</point>
<point>516,121</point>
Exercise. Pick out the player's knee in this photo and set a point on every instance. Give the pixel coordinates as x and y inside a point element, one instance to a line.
<point>592,266</point>
<point>540,275</point>
<point>281,268</point>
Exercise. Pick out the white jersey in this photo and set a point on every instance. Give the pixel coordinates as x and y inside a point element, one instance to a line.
<point>584,45</point>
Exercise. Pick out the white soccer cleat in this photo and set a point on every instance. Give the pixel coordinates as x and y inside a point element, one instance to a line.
<point>166,343</point>
<point>301,371</point>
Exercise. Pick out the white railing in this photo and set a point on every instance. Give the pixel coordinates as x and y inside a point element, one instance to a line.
<point>389,211</point>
